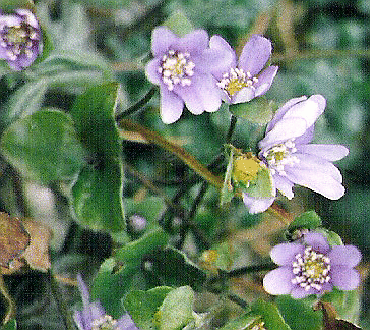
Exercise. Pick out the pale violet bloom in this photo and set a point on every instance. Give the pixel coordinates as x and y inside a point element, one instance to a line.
<point>20,38</point>
<point>245,79</point>
<point>312,267</point>
<point>94,317</point>
<point>182,68</point>
<point>292,159</point>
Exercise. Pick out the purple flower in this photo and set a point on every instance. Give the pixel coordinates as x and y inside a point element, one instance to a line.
<point>182,68</point>
<point>93,316</point>
<point>312,267</point>
<point>20,38</point>
<point>291,159</point>
<point>242,81</point>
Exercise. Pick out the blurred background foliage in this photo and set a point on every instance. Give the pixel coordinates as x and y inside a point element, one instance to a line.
<point>321,47</point>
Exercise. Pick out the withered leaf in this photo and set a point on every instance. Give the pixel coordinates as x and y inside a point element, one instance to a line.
<point>36,253</point>
<point>13,239</point>
<point>330,320</point>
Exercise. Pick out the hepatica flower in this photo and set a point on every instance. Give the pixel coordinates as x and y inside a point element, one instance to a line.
<point>182,68</point>
<point>94,317</point>
<point>292,159</point>
<point>20,38</point>
<point>312,267</point>
<point>245,79</point>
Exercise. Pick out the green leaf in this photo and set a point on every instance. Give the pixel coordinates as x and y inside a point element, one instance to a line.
<point>177,309</point>
<point>10,5</point>
<point>143,305</point>
<point>332,237</point>
<point>97,200</point>
<point>118,275</point>
<point>309,220</point>
<point>244,322</point>
<point>346,303</point>
<point>298,313</point>
<point>71,68</point>
<point>262,186</point>
<point>173,267</point>
<point>270,315</point>
<point>133,252</point>
<point>26,100</point>
<point>97,193</point>
<point>178,23</point>
<point>10,325</point>
<point>258,110</point>
<point>110,285</point>
<point>43,146</point>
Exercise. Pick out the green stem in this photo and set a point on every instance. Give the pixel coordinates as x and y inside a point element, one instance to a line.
<point>188,159</point>
<point>250,269</point>
<point>231,129</point>
<point>137,106</point>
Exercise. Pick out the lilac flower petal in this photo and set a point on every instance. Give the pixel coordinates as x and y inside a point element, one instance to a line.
<point>284,186</point>
<point>307,137</point>
<point>221,45</point>
<point>255,54</point>
<point>194,43</point>
<point>244,95</point>
<point>96,310</point>
<point>208,93</point>
<point>255,205</point>
<point>282,110</point>
<point>279,281</point>
<point>162,39</point>
<point>191,97</point>
<point>344,278</point>
<point>152,73</point>
<point>345,255</point>
<point>83,291</point>
<point>283,254</point>
<point>313,163</point>
<point>265,79</point>
<point>79,320</point>
<point>215,61</point>
<point>10,20</point>
<point>284,130</point>
<point>322,183</point>
<point>309,109</point>
<point>329,152</point>
<point>318,242</point>
<point>171,106</point>
<point>29,17</point>
<point>299,292</point>
<point>126,323</point>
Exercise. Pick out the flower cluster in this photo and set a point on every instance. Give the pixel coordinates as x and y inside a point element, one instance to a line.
<point>312,267</point>
<point>291,157</point>
<point>200,73</point>
<point>94,317</point>
<point>20,38</point>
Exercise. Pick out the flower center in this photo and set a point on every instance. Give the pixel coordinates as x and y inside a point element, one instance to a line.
<point>176,68</point>
<point>19,40</point>
<point>311,269</point>
<point>235,80</point>
<point>280,155</point>
<point>105,322</point>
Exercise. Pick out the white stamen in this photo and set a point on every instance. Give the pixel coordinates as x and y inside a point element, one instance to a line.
<point>311,270</point>
<point>176,69</point>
